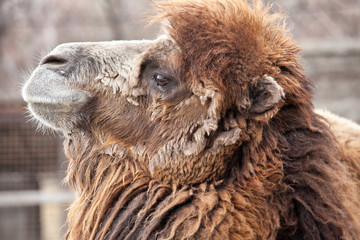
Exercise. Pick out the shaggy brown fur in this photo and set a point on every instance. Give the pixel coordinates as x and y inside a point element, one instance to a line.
<point>285,180</point>
<point>259,164</point>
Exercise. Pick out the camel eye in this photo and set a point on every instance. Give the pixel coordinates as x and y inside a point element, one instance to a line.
<point>161,80</point>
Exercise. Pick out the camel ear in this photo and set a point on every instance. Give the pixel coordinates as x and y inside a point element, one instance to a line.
<point>265,97</point>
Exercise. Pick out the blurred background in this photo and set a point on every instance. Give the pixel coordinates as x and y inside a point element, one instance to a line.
<point>33,200</point>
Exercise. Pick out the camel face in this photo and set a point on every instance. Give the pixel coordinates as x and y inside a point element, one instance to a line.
<point>145,96</point>
<point>67,78</point>
<point>127,92</point>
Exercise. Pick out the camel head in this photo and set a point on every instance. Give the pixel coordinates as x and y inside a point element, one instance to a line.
<point>182,104</point>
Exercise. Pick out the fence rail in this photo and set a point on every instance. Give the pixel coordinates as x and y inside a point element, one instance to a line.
<point>34,197</point>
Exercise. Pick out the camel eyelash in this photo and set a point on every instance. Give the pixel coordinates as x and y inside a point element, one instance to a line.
<point>161,80</point>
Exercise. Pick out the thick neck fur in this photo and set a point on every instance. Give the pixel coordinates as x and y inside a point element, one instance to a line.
<point>282,187</point>
<point>120,201</point>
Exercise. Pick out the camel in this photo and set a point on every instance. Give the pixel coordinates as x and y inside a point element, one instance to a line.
<point>207,132</point>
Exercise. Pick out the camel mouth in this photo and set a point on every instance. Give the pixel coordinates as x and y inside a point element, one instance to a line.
<point>51,99</point>
<point>69,99</point>
<point>46,86</point>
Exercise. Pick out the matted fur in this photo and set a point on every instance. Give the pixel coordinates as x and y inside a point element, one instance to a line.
<point>286,180</point>
<point>259,163</point>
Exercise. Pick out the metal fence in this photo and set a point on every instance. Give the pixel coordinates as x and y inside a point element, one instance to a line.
<point>33,201</point>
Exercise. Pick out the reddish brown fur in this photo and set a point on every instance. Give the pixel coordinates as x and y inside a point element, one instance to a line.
<point>284,178</point>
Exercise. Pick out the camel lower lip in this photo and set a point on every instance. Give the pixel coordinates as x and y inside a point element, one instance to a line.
<point>57,112</point>
<point>71,99</point>
<point>56,116</point>
<point>51,107</point>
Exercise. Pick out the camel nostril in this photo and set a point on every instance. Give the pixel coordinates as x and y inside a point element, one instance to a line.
<point>54,60</point>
